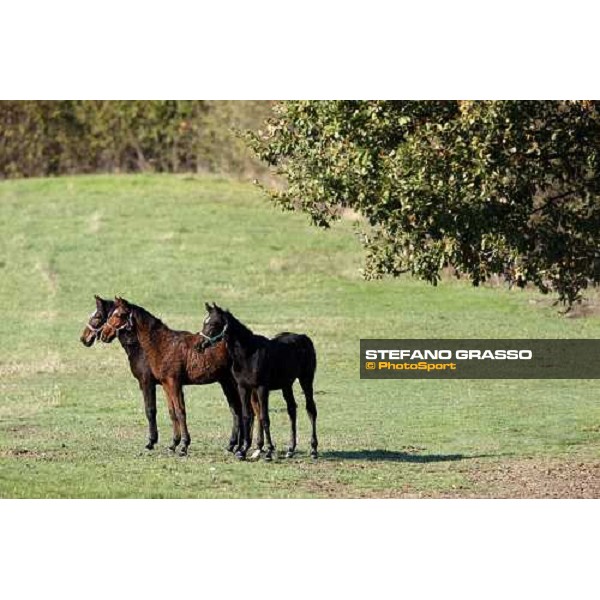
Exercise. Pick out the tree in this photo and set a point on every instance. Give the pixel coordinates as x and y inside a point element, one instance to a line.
<point>484,187</point>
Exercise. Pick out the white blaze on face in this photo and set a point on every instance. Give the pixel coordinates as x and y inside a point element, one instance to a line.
<point>93,316</point>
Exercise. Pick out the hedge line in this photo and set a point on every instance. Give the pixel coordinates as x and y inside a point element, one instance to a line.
<point>42,138</point>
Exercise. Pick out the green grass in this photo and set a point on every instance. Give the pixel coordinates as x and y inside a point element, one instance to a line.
<point>71,418</point>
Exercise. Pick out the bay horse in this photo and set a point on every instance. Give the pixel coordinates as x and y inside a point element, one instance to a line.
<point>261,365</point>
<point>138,364</point>
<point>174,362</point>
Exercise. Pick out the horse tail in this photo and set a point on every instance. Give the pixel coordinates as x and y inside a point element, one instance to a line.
<point>309,366</point>
<point>309,355</point>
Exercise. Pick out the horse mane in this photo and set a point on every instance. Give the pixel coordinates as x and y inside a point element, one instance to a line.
<point>237,325</point>
<point>147,317</point>
<point>107,305</point>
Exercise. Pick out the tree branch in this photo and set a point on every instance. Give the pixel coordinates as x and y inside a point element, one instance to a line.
<point>551,200</point>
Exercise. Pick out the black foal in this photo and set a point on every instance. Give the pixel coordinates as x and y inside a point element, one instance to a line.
<point>261,364</point>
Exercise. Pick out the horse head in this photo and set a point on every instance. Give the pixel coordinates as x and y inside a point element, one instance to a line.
<point>120,318</point>
<point>214,325</point>
<point>96,321</point>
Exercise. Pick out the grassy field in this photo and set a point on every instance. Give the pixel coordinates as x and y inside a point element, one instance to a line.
<point>71,418</point>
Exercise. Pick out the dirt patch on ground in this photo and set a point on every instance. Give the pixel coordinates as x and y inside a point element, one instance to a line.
<point>589,307</point>
<point>522,478</point>
<point>351,215</point>
<point>33,454</point>
<point>536,478</point>
<point>22,453</point>
<point>330,488</point>
<point>20,431</point>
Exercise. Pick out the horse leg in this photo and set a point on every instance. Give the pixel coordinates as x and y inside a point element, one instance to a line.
<point>263,399</point>
<point>246,423</point>
<point>149,391</point>
<point>179,403</point>
<point>306,383</point>
<point>171,406</point>
<point>260,439</point>
<point>288,395</point>
<point>231,394</point>
<point>234,438</point>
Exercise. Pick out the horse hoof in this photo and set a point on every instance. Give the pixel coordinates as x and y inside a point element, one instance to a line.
<point>230,448</point>
<point>314,454</point>
<point>240,455</point>
<point>256,454</point>
<point>289,454</point>
<point>183,451</point>
<point>268,456</point>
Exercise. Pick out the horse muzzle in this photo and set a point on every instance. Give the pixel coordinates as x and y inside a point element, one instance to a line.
<point>108,335</point>
<point>88,340</point>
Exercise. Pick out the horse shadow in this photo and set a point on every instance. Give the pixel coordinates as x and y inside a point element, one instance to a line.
<point>395,456</point>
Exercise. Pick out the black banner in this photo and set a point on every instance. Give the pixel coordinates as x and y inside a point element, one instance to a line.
<point>479,359</point>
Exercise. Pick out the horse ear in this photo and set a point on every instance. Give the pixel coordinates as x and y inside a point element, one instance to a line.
<point>99,302</point>
<point>207,306</point>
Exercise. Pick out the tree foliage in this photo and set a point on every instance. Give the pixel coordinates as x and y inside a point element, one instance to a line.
<point>483,187</point>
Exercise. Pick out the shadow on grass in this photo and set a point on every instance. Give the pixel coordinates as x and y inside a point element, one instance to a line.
<point>393,456</point>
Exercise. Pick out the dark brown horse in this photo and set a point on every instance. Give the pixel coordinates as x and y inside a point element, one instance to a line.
<point>174,362</point>
<point>137,361</point>
<point>260,365</point>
